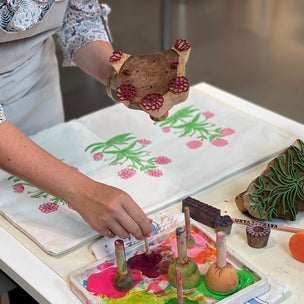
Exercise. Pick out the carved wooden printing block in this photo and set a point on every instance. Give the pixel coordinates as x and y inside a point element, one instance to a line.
<point>278,191</point>
<point>153,83</point>
<point>201,212</point>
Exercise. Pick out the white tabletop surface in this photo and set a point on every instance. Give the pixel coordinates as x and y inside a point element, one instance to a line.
<point>46,277</point>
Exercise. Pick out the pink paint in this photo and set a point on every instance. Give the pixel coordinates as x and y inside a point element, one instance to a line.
<point>101,283</point>
<point>179,285</point>
<point>146,263</point>
<point>159,285</point>
<point>104,265</point>
<point>200,245</point>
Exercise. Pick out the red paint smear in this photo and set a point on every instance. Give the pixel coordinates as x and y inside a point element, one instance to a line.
<point>158,285</point>
<point>101,283</point>
<point>146,263</point>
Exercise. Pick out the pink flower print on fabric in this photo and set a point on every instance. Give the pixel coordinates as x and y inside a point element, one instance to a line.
<point>126,173</point>
<point>165,129</point>
<point>48,207</point>
<point>194,144</point>
<point>98,156</point>
<point>18,188</point>
<point>154,172</point>
<point>220,142</point>
<point>162,160</point>
<point>227,131</point>
<point>208,114</point>
<point>145,142</point>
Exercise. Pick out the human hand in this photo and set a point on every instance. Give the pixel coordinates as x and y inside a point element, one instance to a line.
<point>111,211</point>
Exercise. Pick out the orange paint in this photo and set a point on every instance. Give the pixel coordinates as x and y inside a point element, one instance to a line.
<point>296,246</point>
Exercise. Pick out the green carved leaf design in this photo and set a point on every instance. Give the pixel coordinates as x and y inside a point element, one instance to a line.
<point>282,185</point>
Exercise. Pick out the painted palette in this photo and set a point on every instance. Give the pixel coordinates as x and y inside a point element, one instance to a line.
<point>94,283</point>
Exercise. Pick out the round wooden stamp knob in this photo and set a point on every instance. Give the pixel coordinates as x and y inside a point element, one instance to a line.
<point>257,235</point>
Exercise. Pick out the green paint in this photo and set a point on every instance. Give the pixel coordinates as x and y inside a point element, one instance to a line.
<point>124,266</point>
<point>186,301</point>
<point>139,297</point>
<point>245,279</point>
<point>282,185</point>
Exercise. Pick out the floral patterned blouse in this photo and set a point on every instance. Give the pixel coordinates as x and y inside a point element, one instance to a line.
<point>84,21</point>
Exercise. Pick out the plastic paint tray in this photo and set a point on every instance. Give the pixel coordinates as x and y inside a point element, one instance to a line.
<point>259,286</point>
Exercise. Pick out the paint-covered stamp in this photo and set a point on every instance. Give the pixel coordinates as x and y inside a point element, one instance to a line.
<point>94,283</point>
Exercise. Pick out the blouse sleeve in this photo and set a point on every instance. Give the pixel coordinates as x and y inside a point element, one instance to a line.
<point>2,116</point>
<point>84,21</point>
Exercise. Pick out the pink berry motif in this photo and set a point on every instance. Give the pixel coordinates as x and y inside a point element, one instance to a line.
<point>98,156</point>
<point>126,92</point>
<point>208,114</point>
<point>227,131</point>
<point>134,154</point>
<point>145,141</point>
<point>182,45</point>
<point>179,84</point>
<point>162,160</point>
<point>193,123</point>
<point>165,129</point>
<point>18,188</point>
<point>116,56</point>
<point>48,207</point>
<point>220,142</point>
<point>126,173</point>
<point>194,144</point>
<point>154,172</point>
<point>152,102</point>
<point>53,203</point>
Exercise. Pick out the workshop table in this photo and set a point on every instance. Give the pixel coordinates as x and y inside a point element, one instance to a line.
<point>45,277</point>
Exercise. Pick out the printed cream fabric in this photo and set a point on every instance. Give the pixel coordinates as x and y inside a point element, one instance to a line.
<point>202,142</point>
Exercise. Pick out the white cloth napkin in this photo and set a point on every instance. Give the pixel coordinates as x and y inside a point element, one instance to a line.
<point>158,163</point>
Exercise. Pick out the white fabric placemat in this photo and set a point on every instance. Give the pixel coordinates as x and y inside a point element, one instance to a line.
<point>158,163</point>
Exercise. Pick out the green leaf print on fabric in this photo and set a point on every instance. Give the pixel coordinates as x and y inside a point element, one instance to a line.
<point>191,122</point>
<point>126,150</point>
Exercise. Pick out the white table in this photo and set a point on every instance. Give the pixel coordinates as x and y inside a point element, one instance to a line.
<point>45,277</point>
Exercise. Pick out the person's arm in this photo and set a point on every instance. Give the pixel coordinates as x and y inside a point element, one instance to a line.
<point>104,207</point>
<point>94,59</point>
